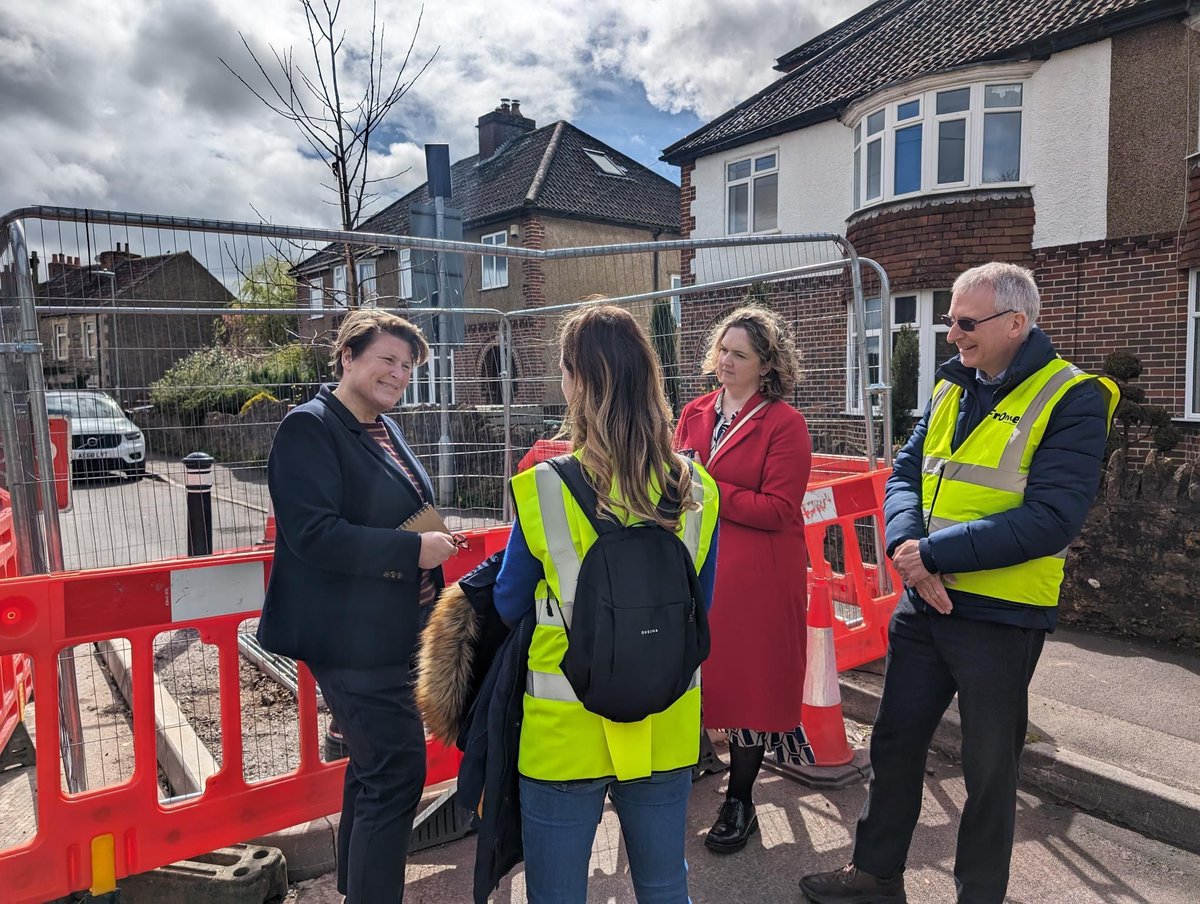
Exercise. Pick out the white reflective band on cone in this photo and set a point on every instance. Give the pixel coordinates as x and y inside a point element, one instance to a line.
<point>820,677</point>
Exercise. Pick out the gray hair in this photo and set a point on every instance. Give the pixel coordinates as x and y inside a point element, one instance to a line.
<point>1013,287</point>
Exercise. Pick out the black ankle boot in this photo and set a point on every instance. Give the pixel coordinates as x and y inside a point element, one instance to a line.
<point>736,822</point>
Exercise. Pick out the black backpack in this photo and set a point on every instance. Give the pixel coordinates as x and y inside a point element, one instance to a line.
<point>639,629</point>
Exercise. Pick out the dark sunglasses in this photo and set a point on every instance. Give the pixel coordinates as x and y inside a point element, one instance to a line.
<point>968,324</point>
<point>460,541</point>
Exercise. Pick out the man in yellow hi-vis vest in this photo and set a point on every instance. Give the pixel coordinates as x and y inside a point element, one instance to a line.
<point>985,498</point>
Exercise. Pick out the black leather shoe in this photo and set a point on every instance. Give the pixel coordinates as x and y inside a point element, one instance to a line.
<point>736,822</point>
<point>850,885</point>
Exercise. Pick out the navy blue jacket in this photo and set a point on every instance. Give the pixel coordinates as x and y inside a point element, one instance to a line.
<point>1063,478</point>
<point>344,588</point>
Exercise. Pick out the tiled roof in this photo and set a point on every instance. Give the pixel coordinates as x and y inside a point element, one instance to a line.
<point>548,171</point>
<point>88,282</point>
<point>894,41</point>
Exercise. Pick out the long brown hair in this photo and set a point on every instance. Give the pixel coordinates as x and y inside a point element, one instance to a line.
<point>618,415</point>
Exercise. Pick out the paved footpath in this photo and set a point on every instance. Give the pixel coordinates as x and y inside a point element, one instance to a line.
<point>1061,855</point>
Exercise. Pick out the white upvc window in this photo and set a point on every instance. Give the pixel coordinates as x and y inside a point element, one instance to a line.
<point>1192,389</point>
<point>676,304</point>
<point>88,337</point>
<point>339,285</point>
<point>919,311</point>
<point>368,291</point>
<point>947,138</point>
<point>406,290</point>
<point>752,194</point>
<point>495,268</point>
<point>61,341</point>
<point>422,389</point>
<point>316,299</point>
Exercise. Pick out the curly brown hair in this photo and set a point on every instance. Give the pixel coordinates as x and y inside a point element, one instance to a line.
<point>360,328</point>
<point>772,341</point>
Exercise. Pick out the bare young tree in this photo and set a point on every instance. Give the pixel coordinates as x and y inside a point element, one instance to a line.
<point>338,128</point>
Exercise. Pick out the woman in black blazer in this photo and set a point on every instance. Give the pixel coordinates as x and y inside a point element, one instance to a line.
<point>347,586</point>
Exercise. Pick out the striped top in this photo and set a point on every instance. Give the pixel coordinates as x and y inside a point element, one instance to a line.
<point>380,435</point>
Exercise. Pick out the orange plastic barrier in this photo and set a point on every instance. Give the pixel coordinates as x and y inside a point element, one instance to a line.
<point>542,450</point>
<point>842,494</point>
<point>16,672</point>
<point>124,829</point>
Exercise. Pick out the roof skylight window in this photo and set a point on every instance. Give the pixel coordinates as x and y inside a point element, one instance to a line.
<point>605,164</point>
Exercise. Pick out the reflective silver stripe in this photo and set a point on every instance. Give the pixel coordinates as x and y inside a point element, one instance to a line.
<point>557,531</point>
<point>1061,554</point>
<point>547,686</point>
<point>555,686</point>
<point>939,394</point>
<point>941,523</point>
<point>692,521</point>
<point>820,677</point>
<point>984,476</point>
<point>1014,452</point>
<point>932,464</point>
<point>551,612</point>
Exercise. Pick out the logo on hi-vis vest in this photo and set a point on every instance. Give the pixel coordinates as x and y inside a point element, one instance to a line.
<point>1005,418</point>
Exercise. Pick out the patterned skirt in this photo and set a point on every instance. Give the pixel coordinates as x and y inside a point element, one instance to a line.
<point>787,748</point>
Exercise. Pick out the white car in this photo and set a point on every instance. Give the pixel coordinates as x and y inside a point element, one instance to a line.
<point>102,437</point>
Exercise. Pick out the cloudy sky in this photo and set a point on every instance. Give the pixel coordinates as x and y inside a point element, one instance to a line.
<point>125,105</point>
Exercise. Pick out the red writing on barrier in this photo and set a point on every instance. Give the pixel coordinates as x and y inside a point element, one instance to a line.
<point>818,505</point>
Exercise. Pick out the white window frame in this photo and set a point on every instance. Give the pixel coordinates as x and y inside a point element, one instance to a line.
<point>406,276</point>
<point>929,334</point>
<point>676,302</point>
<point>87,337</point>
<point>368,288</point>
<point>340,292</point>
<point>750,180</point>
<point>316,299</point>
<point>975,117</point>
<point>604,163</point>
<point>422,388</point>
<point>1191,399</point>
<point>62,341</point>
<point>494,268</point>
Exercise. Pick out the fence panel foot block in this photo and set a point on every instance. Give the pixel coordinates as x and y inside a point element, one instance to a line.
<point>238,874</point>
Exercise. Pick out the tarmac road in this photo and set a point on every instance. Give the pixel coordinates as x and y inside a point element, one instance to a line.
<point>1061,855</point>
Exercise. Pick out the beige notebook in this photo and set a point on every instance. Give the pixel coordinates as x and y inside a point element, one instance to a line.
<point>426,518</point>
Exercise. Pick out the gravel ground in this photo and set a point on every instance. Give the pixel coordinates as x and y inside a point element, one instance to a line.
<point>187,669</point>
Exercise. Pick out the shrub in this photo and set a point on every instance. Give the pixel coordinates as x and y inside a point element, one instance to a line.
<point>263,396</point>
<point>1135,418</point>
<point>209,379</point>
<point>906,368</point>
<point>286,367</point>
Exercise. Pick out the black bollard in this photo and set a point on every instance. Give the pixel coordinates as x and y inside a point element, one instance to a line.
<point>198,477</point>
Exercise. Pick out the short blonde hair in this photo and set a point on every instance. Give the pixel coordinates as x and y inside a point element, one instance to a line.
<point>771,340</point>
<point>362,327</point>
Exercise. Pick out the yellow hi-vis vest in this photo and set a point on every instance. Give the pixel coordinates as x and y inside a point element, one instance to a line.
<point>560,740</point>
<point>986,475</point>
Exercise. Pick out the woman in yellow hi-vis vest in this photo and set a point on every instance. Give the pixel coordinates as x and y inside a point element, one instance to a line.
<point>570,758</point>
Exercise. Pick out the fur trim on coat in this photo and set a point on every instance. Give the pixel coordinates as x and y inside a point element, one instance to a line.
<point>445,660</point>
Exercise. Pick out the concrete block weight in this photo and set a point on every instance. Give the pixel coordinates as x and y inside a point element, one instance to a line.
<point>238,874</point>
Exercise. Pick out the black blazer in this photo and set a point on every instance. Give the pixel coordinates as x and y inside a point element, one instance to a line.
<point>344,585</point>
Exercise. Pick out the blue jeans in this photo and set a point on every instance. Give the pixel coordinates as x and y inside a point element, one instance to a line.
<point>558,826</point>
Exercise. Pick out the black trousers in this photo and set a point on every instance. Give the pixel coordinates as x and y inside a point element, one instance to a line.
<point>384,777</point>
<point>989,665</point>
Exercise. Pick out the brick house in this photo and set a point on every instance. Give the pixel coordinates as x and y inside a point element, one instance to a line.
<point>548,187</point>
<point>119,352</point>
<point>939,134</point>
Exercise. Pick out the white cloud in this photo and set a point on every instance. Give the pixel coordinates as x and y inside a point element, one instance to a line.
<point>126,105</point>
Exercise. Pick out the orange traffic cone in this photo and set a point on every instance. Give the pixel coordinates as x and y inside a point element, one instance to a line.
<point>821,713</point>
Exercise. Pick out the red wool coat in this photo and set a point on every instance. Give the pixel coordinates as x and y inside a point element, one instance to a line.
<point>754,677</point>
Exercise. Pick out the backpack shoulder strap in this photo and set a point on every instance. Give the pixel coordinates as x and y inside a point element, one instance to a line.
<point>570,471</point>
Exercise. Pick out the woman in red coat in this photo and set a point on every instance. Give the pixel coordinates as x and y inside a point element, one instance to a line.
<point>757,448</point>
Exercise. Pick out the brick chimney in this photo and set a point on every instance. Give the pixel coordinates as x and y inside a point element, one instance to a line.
<point>108,260</point>
<point>501,125</point>
<point>60,264</point>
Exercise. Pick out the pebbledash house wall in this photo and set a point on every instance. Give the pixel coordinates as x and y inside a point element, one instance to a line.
<point>1108,127</point>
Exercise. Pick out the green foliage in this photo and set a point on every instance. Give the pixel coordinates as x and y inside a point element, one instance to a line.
<point>906,369</point>
<point>263,396</point>
<point>269,285</point>
<point>286,367</point>
<point>209,379</point>
<point>664,333</point>
<point>1135,418</point>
